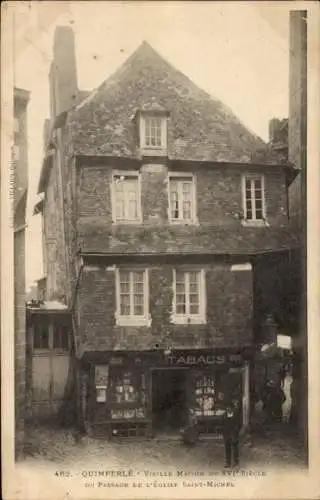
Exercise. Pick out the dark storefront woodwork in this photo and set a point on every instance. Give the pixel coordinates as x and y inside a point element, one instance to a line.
<point>170,398</point>
<point>150,393</point>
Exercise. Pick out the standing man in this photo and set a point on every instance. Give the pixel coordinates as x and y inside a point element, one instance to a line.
<point>231,429</point>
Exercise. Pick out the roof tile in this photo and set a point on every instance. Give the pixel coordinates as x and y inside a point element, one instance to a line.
<point>199,128</point>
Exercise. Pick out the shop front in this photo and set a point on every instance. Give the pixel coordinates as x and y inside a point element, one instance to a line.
<point>150,393</point>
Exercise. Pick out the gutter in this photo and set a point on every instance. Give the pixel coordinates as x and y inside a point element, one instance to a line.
<point>189,254</point>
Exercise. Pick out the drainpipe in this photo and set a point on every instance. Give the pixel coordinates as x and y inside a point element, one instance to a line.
<point>59,159</point>
<point>78,385</point>
<point>74,295</point>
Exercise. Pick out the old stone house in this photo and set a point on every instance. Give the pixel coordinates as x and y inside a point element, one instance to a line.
<point>157,202</point>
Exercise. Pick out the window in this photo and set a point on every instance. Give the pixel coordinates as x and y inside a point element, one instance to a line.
<point>51,337</point>
<point>101,394</point>
<point>61,338</point>
<point>132,294</point>
<point>153,132</point>
<point>41,337</point>
<point>101,382</point>
<point>125,390</point>
<point>126,197</point>
<point>254,199</point>
<point>181,198</point>
<point>128,395</point>
<point>205,396</point>
<point>188,296</point>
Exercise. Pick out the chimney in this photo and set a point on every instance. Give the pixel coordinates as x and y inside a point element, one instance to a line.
<point>273,129</point>
<point>298,88</point>
<point>63,72</point>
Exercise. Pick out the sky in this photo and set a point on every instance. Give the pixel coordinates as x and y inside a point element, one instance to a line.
<point>239,53</point>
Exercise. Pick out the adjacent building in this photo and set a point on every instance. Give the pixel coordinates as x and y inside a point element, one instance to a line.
<point>283,278</point>
<point>158,205</point>
<point>20,193</point>
<point>297,150</point>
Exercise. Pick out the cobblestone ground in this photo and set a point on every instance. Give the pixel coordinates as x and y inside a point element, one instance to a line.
<point>56,446</point>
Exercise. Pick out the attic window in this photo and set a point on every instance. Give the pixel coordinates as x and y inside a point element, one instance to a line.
<point>153,133</point>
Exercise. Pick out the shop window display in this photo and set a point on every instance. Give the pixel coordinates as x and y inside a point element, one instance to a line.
<point>128,395</point>
<point>125,389</point>
<point>205,396</point>
<point>101,392</point>
<point>101,382</point>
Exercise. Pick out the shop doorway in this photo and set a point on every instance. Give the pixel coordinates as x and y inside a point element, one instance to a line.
<point>169,399</point>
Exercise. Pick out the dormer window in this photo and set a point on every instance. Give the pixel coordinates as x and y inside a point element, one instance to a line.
<point>153,133</point>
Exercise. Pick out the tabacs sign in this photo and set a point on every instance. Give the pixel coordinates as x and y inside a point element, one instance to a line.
<point>204,359</point>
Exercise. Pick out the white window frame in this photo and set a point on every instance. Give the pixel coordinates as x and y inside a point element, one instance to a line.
<point>146,147</point>
<point>125,173</point>
<point>193,319</point>
<point>253,221</point>
<point>131,319</point>
<point>193,179</point>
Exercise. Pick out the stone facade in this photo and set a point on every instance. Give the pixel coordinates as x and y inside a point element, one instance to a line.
<point>219,227</point>
<point>219,231</point>
<point>20,162</point>
<point>53,238</point>
<point>229,315</point>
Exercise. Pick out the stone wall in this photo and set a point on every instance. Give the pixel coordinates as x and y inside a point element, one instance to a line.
<point>53,237</point>
<point>228,313</point>
<point>218,205</point>
<point>20,163</point>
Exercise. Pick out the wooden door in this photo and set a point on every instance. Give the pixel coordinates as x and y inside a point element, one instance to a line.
<point>50,368</point>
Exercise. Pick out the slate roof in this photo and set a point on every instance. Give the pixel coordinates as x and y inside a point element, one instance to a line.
<point>200,127</point>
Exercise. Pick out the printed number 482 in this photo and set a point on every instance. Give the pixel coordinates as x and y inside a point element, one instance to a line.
<point>62,473</point>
